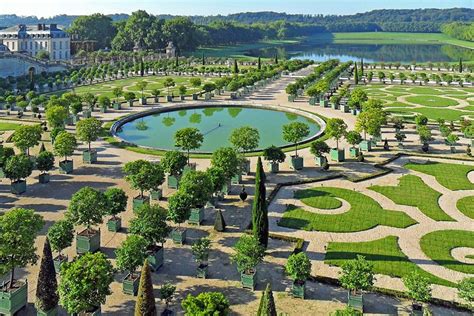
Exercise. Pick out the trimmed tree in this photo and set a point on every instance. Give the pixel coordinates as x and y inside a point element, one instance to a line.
<point>174,162</point>
<point>145,305</point>
<point>336,128</point>
<point>64,146</point>
<point>27,136</point>
<point>130,255</point>
<point>357,275</point>
<point>318,148</point>
<point>17,168</point>
<point>267,303</point>
<point>56,115</point>
<point>217,177</point>
<point>198,186</point>
<point>206,303</point>
<point>166,294</point>
<point>45,162</point>
<point>188,138</point>
<point>295,132</point>
<point>418,288</point>
<point>248,254</point>
<point>466,290</point>
<point>298,268</point>
<point>46,287</point>
<point>60,235</point>
<point>259,208</point>
<point>245,138</point>
<point>88,130</point>
<point>227,159</point>
<point>143,175</point>
<point>117,203</point>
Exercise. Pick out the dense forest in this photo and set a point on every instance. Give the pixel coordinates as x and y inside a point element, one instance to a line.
<point>459,30</point>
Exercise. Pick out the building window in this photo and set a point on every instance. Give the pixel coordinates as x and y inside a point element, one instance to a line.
<point>31,45</point>
<point>36,45</point>
<point>60,55</point>
<point>54,45</point>
<point>46,45</point>
<point>60,45</point>
<point>54,55</point>
<point>13,45</point>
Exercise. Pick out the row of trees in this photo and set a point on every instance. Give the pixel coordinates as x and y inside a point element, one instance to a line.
<point>459,30</point>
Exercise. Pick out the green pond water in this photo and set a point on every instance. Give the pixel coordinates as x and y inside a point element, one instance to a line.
<point>216,124</point>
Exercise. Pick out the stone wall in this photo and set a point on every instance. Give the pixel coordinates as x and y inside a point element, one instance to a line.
<point>19,65</point>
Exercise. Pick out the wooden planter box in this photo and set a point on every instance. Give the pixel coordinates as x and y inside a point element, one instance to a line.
<point>298,289</point>
<point>14,300</point>
<point>291,98</point>
<point>172,182</point>
<point>365,145</point>
<point>86,114</point>
<point>143,101</point>
<point>201,271</point>
<point>52,312</point>
<point>312,101</point>
<point>236,179</point>
<point>323,103</point>
<point>156,194</point>
<point>417,310</point>
<point>353,152</point>
<point>86,243</point>
<point>18,187</point>
<point>103,109</point>
<point>297,163</point>
<point>130,103</point>
<point>44,177</point>
<point>274,167</point>
<point>117,106</point>
<point>207,96</point>
<point>356,301</point>
<point>129,285</point>
<point>196,216</point>
<point>169,98</point>
<point>66,166</point>
<point>320,161</point>
<point>248,280</point>
<point>156,258</point>
<point>195,96</point>
<point>139,202</point>
<point>58,261</point>
<point>89,156</point>
<point>178,235</point>
<point>337,154</point>
<point>182,97</point>
<point>246,167</point>
<point>345,108</point>
<point>2,174</point>
<point>114,224</point>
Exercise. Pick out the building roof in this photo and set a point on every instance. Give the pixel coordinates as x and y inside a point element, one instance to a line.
<point>36,29</point>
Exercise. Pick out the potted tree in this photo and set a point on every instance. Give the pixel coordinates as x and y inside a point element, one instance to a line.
<point>179,211</point>
<point>104,103</point>
<point>353,138</point>
<point>150,223</point>
<point>370,122</point>
<point>218,180</point>
<point>129,97</point>
<point>299,269</point>
<point>130,255</point>
<point>156,95</point>
<point>182,92</point>
<point>249,253</point>
<point>27,136</point>
<point>195,83</point>
<point>206,303</point>
<point>60,235</point>
<point>399,136</point>
<point>87,207</point>
<point>86,297</point>
<point>44,163</point>
<point>199,187</point>
<point>64,145</point>
<point>18,230</point>
<point>168,83</point>
<point>357,276</point>
<point>425,135</point>
<point>227,159</point>
<point>5,153</point>
<point>419,289</point>
<point>336,128</point>
<point>173,164</point>
<point>294,133</point>
<point>187,139</point>
<point>166,294</point>
<point>117,92</point>
<point>88,130</point>
<point>200,251</point>
<point>245,139</point>
<point>466,290</point>
<point>291,90</point>
<point>46,287</point>
<point>452,139</point>
<point>318,148</point>
<point>274,155</point>
<point>117,203</point>
<point>17,168</point>
<point>141,85</point>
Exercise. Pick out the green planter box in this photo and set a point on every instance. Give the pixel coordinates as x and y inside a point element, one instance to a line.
<point>18,187</point>
<point>207,96</point>
<point>156,99</point>
<point>248,280</point>
<point>139,202</point>
<point>323,103</point>
<point>86,114</point>
<point>178,235</point>
<point>189,167</point>
<point>335,106</point>
<point>297,289</point>
<point>320,161</point>
<point>365,145</point>
<point>156,194</point>
<point>226,188</point>
<point>114,224</point>
<point>417,310</point>
<point>52,312</point>
<point>44,178</point>
<point>117,106</point>
<point>11,302</point>
<point>130,286</point>
<point>345,108</point>
<point>195,96</point>
<point>169,98</point>
<point>353,152</point>
<point>103,109</point>
<point>2,174</point>
<point>172,182</point>
<point>156,258</point>
<point>143,101</point>
<point>89,156</point>
<point>337,154</point>
<point>234,96</point>
<point>182,97</point>
<point>201,271</point>
<point>246,167</point>
<point>356,301</point>
<point>291,98</point>
<point>130,103</point>
<point>312,101</point>
<point>75,119</point>
<point>196,216</point>
<point>236,179</point>
<point>274,167</point>
<point>86,243</point>
<point>297,163</point>
<point>58,262</point>
<point>66,166</point>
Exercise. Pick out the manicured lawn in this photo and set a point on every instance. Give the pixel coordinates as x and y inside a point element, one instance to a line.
<point>424,90</point>
<point>318,199</point>
<point>431,113</point>
<point>364,213</point>
<point>398,104</point>
<point>431,101</point>
<point>439,244</point>
<point>384,253</point>
<point>8,126</point>
<point>413,191</point>
<point>451,176</point>
<point>466,206</point>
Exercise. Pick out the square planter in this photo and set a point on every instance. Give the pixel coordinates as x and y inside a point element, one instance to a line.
<point>117,106</point>
<point>323,103</point>
<point>233,96</point>
<point>226,188</point>
<point>337,154</point>
<point>207,96</point>
<point>201,271</point>
<point>52,312</point>
<point>345,108</point>
<point>143,101</point>
<point>416,310</point>
<point>86,242</point>
<point>58,261</point>
<point>75,119</point>
<point>130,103</point>
<point>44,177</point>
<point>195,96</point>
<point>156,99</point>
<point>189,167</point>
<point>18,187</point>
<point>248,280</point>
<point>86,114</point>
<point>182,97</point>
<point>66,166</point>
<point>312,101</point>
<point>335,106</point>
<point>95,312</point>
<point>246,167</point>
<point>320,161</point>
<point>130,285</point>
<point>89,156</point>
<point>172,182</point>
<point>291,98</point>
<point>156,258</point>
<point>236,179</point>
<point>14,300</point>
<point>169,98</point>
<point>114,224</point>
<point>2,174</point>
<point>139,202</point>
<point>156,194</point>
<point>297,163</point>
<point>355,301</point>
<point>274,167</point>
<point>298,289</point>
<point>353,152</point>
<point>178,235</point>
<point>103,110</point>
<point>365,145</point>
<point>196,216</point>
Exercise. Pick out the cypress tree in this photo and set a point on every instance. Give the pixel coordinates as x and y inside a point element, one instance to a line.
<point>460,65</point>
<point>219,223</point>
<point>259,208</point>
<point>267,303</point>
<point>356,74</point>
<point>203,59</point>
<point>362,67</point>
<point>142,68</point>
<point>47,287</point>
<point>145,305</point>
<point>276,59</point>
<point>259,63</point>
<point>42,148</point>
<point>236,67</point>
<point>177,61</point>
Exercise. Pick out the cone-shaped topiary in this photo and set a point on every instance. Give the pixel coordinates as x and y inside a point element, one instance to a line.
<point>145,305</point>
<point>267,303</point>
<point>47,287</point>
<point>219,224</point>
<point>259,209</point>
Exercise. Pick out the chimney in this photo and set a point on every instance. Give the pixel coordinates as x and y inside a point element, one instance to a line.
<point>53,27</point>
<point>40,27</point>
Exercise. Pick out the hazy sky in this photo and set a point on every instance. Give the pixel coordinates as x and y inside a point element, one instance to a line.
<point>48,8</point>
